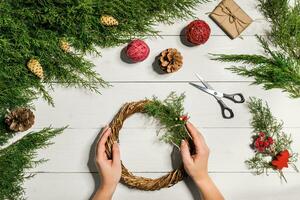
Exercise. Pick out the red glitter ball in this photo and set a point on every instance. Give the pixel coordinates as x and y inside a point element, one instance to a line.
<point>198,32</point>
<point>137,50</point>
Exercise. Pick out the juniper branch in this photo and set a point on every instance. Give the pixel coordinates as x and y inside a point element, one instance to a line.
<point>19,157</point>
<point>279,67</point>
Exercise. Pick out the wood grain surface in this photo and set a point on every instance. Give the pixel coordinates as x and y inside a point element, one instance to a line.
<point>71,173</point>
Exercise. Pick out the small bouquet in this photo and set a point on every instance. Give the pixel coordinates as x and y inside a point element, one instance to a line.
<point>271,145</point>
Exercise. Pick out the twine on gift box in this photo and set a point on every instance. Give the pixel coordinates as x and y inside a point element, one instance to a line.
<point>127,177</point>
<point>233,19</point>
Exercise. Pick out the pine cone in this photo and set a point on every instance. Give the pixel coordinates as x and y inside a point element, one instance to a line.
<point>171,60</point>
<point>35,67</point>
<point>64,45</point>
<point>108,20</point>
<point>20,119</point>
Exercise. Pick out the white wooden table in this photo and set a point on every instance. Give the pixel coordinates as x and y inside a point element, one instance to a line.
<point>71,174</point>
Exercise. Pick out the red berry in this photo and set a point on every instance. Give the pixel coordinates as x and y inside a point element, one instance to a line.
<point>261,149</point>
<point>270,140</point>
<point>262,134</point>
<point>261,143</point>
<point>256,143</point>
<point>183,118</point>
<point>266,144</point>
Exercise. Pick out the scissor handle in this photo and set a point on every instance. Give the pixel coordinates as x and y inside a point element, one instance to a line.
<point>227,113</point>
<point>236,98</point>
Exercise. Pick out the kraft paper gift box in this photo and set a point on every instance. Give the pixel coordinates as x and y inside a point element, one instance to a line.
<point>231,18</point>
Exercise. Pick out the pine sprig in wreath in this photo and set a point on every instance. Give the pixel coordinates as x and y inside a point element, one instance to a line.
<point>171,116</point>
<point>271,145</point>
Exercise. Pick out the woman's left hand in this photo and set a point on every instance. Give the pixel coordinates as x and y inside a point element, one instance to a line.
<point>109,169</point>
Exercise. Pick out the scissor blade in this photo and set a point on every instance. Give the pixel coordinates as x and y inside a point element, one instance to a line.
<point>198,86</point>
<point>209,91</point>
<point>214,93</point>
<point>204,82</point>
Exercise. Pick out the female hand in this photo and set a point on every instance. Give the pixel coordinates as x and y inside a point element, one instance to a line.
<point>109,170</point>
<point>196,165</point>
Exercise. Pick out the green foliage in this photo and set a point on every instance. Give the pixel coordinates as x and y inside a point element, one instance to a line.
<point>19,157</point>
<point>262,118</point>
<point>264,121</point>
<point>34,29</point>
<point>280,66</point>
<point>285,20</point>
<point>168,113</point>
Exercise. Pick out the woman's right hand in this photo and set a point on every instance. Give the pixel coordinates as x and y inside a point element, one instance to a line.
<point>195,165</point>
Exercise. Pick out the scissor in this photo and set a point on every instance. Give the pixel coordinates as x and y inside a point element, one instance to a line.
<point>227,113</point>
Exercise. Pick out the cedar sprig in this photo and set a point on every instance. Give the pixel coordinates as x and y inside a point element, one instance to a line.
<point>264,122</point>
<point>168,113</point>
<point>262,118</point>
<point>34,29</point>
<point>37,34</point>
<point>18,158</point>
<point>279,67</point>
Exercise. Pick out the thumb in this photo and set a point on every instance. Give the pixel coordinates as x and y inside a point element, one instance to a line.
<point>116,154</point>
<point>185,153</point>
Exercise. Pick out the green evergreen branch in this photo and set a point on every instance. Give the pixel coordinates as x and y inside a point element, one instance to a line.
<point>262,118</point>
<point>168,113</point>
<point>285,21</point>
<point>34,29</point>
<point>19,157</point>
<point>264,121</point>
<point>280,66</point>
<point>31,29</point>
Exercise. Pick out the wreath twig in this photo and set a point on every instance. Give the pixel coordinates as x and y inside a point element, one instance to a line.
<point>153,108</point>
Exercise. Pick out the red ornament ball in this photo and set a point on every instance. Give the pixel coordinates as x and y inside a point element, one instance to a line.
<point>137,50</point>
<point>198,32</point>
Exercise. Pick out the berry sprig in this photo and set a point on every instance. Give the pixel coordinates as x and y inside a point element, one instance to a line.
<point>272,147</point>
<point>263,142</point>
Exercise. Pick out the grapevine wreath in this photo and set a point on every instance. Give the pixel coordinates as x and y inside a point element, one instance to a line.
<point>169,113</point>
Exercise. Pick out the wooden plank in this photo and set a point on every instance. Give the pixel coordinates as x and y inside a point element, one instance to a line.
<point>81,110</point>
<point>259,26</point>
<point>67,174</point>
<point>112,67</point>
<point>141,150</point>
<point>234,186</point>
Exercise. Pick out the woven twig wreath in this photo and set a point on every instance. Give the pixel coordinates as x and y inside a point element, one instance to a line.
<point>128,178</point>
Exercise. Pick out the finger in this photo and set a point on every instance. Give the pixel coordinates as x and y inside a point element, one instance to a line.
<point>116,154</point>
<point>197,137</point>
<point>104,129</point>
<point>185,153</point>
<point>104,137</point>
<point>102,141</point>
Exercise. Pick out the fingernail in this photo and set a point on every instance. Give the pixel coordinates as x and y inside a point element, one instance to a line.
<point>182,142</point>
